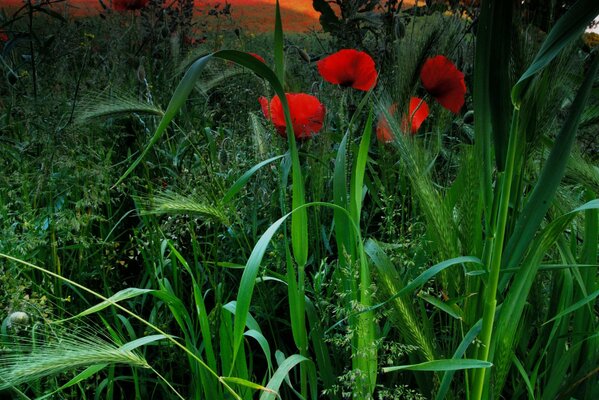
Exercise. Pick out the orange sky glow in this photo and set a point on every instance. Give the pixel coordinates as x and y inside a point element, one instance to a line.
<point>255,15</point>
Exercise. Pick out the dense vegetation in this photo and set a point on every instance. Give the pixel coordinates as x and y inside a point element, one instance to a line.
<point>189,210</point>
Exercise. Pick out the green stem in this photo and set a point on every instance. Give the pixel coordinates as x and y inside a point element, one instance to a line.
<point>490,296</point>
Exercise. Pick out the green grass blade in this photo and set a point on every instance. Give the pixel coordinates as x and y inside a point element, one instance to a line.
<point>441,305</point>
<point>277,379</point>
<point>248,280</point>
<point>121,295</point>
<point>83,375</point>
<point>482,107</point>
<point>177,100</point>
<point>524,375</point>
<point>516,297</point>
<point>359,171</point>
<point>245,383</point>
<point>414,332</point>
<point>259,337</point>
<point>134,344</point>
<point>442,365</point>
<point>567,29</point>
<point>240,183</point>
<point>544,191</point>
<point>591,297</point>
<point>464,344</point>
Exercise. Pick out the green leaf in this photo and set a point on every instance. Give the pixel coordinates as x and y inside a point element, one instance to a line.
<point>568,28</point>
<point>442,365</point>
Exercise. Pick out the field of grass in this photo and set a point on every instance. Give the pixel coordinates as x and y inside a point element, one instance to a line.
<point>241,203</point>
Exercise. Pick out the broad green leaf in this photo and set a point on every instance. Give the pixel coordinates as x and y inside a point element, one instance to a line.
<point>442,365</point>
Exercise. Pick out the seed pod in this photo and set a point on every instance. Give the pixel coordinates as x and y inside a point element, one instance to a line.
<point>304,54</point>
<point>18,318</point>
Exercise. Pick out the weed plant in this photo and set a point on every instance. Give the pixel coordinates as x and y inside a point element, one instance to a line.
<point>147,192</point>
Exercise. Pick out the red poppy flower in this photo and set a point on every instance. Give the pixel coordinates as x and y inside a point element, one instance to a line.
<point>307,114</point>
<point>349,67</point>
<point>128,5</point>
<point>3,37</point>
<point>444,82</point>
<point>258,57</point>
<point>417,114</point>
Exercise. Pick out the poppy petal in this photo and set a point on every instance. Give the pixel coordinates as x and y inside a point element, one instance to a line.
<point>383,130</point>
<point>418,113</point>
<point>441,78</point>
<point>258,57</point>
<point>349,67</point>
<point>307,114</point>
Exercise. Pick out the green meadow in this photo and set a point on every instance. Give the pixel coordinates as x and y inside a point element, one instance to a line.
<point>400,204</point>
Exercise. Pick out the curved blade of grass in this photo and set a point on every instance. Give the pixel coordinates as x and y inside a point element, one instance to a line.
<point>83,375</point>
<point>554,170</point>
<point>413,331</point>
<point>464,344</point>
<point>179,97</point>
<point>246,383</point>
<point>442,365</point>
<point>575,306</point>
<point>239,183</point>
<point>259,337</point>
<point>568,28</point>
<point>187,84</point>
<point>277,379</point>
<point>248,279</point>
<point>440,305</point>
<point>414,284</point>
<point>134,344</point>
<point>121,295</point>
